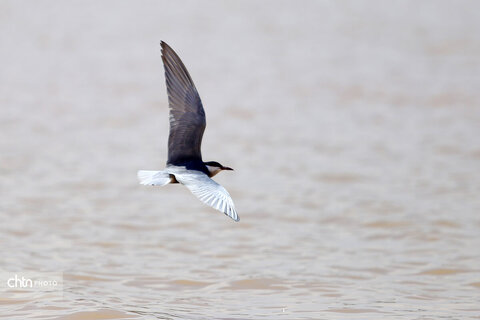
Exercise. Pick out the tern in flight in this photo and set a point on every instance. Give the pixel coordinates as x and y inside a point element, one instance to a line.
<point>187,124</point>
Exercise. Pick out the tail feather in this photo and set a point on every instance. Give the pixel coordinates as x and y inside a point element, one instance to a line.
<point>153,178</point>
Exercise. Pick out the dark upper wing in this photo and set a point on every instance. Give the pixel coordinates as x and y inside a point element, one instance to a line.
<point>187,117</point>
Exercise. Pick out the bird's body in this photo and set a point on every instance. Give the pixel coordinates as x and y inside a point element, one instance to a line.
<point>187,124</point>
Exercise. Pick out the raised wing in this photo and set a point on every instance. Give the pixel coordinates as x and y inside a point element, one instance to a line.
<point>207,191</point>
<point>187,117</point>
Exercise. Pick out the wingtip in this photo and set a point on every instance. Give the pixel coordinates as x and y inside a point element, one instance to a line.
<point>233,215</point>
<point>234,219</point>
<point>164,46</point>
<point>167,52</point>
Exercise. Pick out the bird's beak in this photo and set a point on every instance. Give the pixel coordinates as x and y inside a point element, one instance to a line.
<point>227,168</point>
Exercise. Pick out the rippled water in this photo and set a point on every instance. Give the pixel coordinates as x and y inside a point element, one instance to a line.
<point>352,127</point>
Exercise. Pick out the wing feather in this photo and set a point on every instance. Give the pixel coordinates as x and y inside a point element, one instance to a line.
<point>187,116</point>
<point>207,191</point>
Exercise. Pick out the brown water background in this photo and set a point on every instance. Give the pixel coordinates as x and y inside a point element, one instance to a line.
<point>353,128</point>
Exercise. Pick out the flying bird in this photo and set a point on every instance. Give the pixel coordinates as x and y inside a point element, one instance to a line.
<point>187,124</point>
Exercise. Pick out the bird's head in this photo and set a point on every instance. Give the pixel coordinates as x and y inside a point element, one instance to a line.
<point>215,167</point>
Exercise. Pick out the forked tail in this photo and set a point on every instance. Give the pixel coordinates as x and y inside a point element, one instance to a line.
<point>153,178</point>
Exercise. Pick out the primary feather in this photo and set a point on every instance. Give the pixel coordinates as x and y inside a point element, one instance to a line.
<point>187,117</point>
<point>206,190</point>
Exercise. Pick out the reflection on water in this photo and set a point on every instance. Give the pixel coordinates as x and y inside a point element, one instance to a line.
<point>353,131</point>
